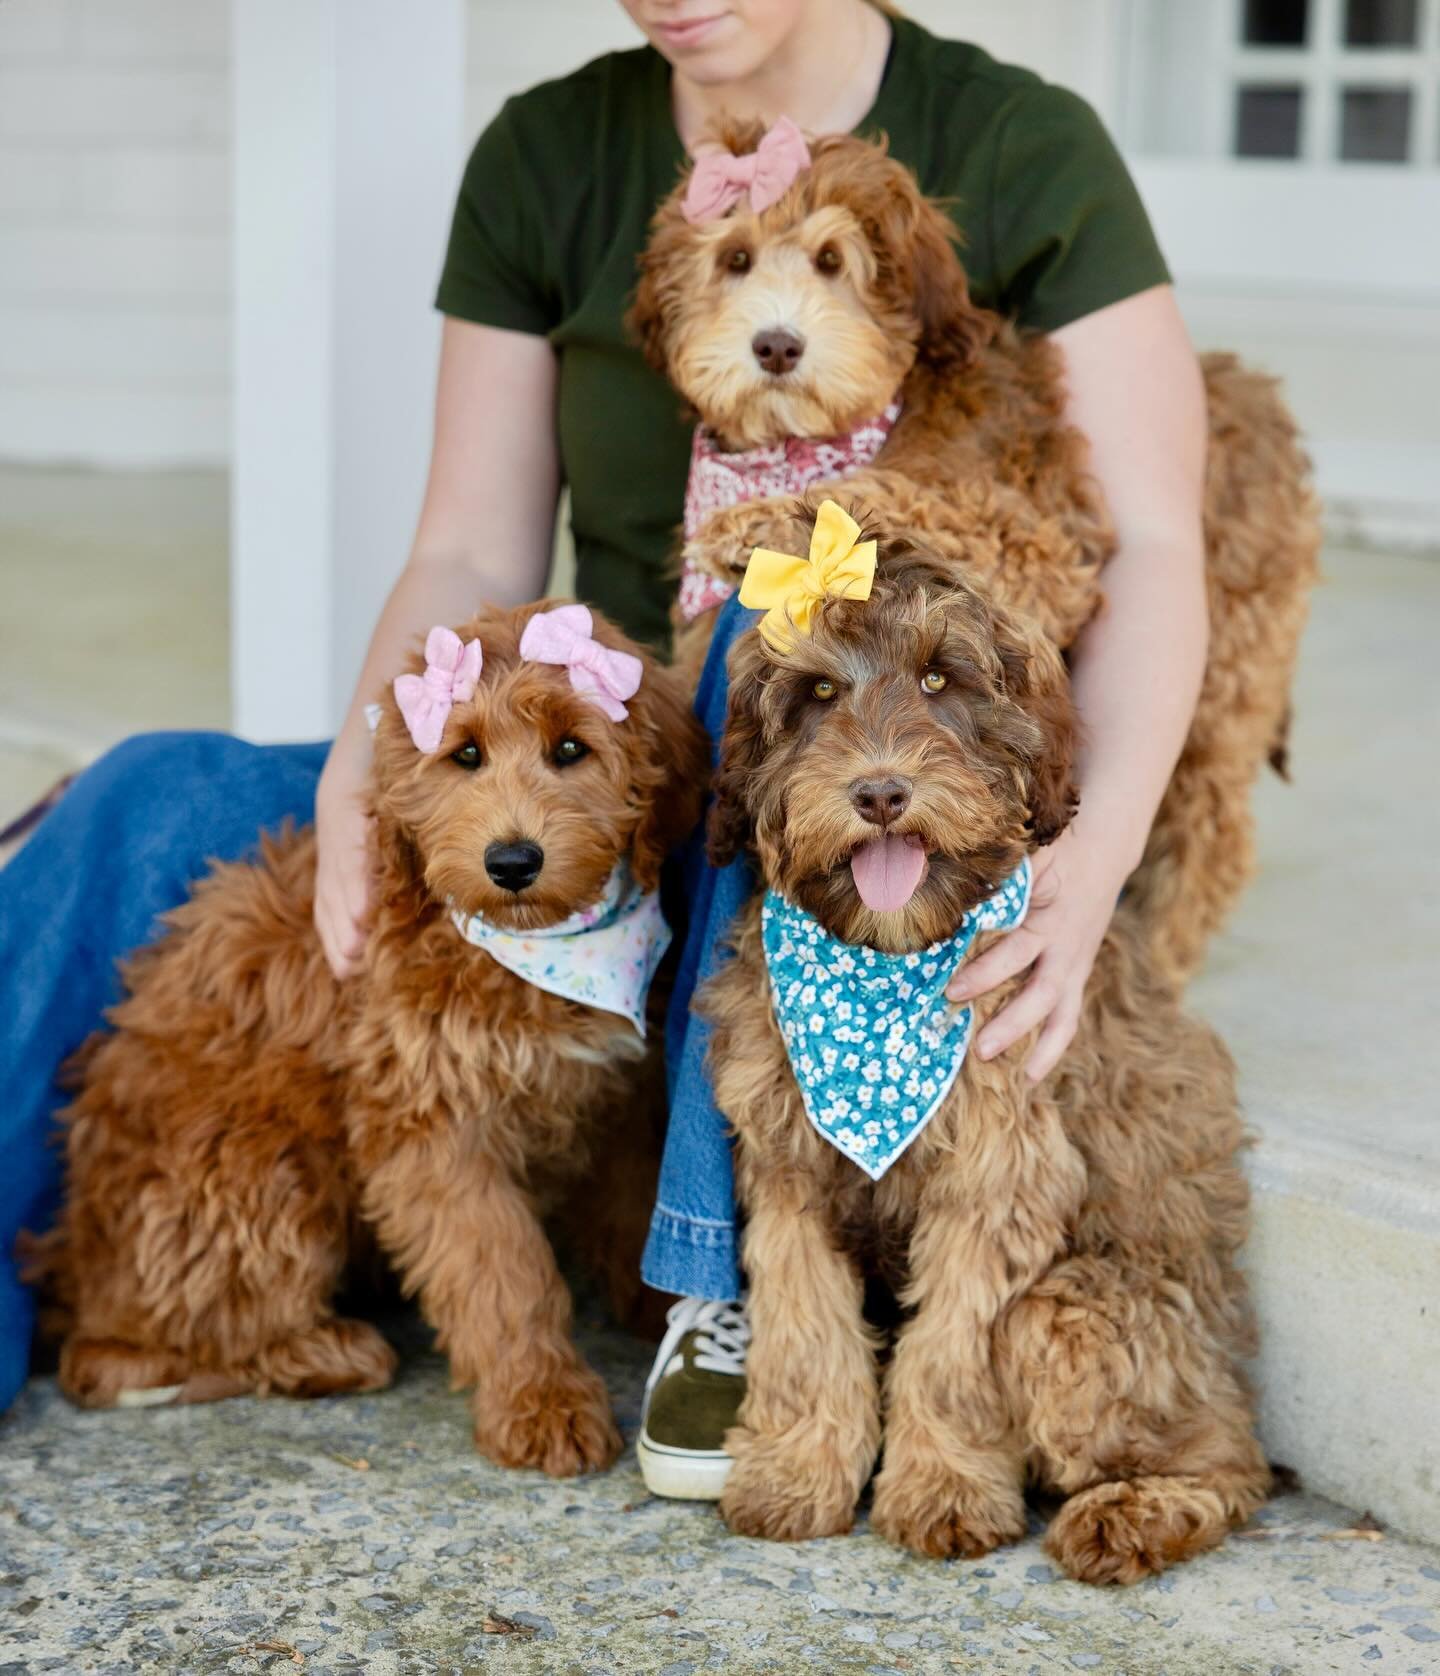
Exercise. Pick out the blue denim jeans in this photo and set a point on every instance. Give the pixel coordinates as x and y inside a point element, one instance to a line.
<point>693,1247</point>
<point>122,846</point>
<point>125,844</point>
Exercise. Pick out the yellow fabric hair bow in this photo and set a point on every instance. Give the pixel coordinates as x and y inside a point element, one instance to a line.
<point>788,589</point>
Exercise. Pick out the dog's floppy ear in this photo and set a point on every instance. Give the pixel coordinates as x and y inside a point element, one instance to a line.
<point>1037,680</point>
<point>399,876</point>
<point>914,242</point>
<point>730,827</point>
<point>952,330</point>
<point>671,758</point>
<point>658,296</point>
<point>399,870</point>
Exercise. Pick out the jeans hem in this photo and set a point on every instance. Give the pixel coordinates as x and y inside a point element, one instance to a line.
<point>693,1257</point>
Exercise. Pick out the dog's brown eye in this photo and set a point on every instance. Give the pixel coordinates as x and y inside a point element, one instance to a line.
<point>827,259</point>
<point>737,261</point>
<point>468,756</point>
<point>934,681</point>
<point>824,690</point>
<point>570,750</point>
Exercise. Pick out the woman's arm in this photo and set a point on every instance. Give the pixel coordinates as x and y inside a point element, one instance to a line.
<point>486,529</point>
<point>1135,390</point>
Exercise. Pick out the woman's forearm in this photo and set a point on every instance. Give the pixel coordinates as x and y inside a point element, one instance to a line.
<point>488,522</point>
<point>1134,389</point>
<point>1136,674</point>
<point>440,589</point>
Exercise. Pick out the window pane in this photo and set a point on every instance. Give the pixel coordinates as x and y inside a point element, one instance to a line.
<point>1381,23</point>
<point>1375,125</point>
<point>1267,122</point>
<point>1276,23</point>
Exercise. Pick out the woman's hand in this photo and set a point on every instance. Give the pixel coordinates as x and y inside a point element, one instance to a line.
<point>342,858</point>
<point>1076,883</point>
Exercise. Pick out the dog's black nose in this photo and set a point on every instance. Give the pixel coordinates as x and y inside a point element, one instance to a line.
<point>777,350</point>
<point>881,801</point>
<point>514,866</point>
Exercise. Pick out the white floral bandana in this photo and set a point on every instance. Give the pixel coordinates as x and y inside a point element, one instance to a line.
<point>718,480</point>
<point>873,1042</point>
<point>604,956</point>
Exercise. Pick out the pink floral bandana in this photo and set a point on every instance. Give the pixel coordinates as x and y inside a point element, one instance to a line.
<point>718,480</point>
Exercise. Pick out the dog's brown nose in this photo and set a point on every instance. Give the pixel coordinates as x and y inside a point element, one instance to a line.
<point>777,350</point>
<point>881,801</point>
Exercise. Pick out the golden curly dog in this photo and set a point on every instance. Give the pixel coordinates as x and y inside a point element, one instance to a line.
<point>861,273</point>
<point>1064,1254</point>
<point>250,1125</point>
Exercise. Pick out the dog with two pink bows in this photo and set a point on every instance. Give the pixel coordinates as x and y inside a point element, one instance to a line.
<point>251,1128</point>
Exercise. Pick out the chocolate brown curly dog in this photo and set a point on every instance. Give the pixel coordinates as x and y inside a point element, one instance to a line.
<point>1065,1254</point>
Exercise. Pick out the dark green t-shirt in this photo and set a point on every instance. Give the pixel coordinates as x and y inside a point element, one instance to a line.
<point>555,208</point>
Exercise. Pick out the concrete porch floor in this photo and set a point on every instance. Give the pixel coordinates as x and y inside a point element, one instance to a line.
<point>185,1541</point>
<point>114,615</point>
<point>221,1538</point>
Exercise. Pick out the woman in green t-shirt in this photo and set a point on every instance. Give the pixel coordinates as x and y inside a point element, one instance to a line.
<point>539,384</point>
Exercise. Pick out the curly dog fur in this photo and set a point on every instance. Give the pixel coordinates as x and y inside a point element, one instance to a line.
<point>1064,1255</point>
<point>983,469</point>
<point>250,1126</point>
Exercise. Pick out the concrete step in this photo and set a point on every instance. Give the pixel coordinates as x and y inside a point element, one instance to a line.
<point>1327,989</point>
<point>365,1533</point>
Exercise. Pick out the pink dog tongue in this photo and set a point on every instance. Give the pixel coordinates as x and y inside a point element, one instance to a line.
<point>887,870</point>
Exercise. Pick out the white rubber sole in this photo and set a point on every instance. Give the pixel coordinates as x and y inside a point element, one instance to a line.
<point>682,1474</point>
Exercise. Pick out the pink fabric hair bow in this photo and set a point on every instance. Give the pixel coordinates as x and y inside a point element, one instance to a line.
<point>451,672</point>
<point>565,636</point>
<point>719,179</point>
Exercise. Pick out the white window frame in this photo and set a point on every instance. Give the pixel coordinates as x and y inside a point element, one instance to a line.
<point>1324,67</point>
<point>1311,225</point>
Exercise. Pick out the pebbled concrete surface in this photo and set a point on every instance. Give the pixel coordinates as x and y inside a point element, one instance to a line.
<point>243,1537</point>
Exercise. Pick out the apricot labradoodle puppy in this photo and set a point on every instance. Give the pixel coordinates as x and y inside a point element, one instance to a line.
<point>1064,1254</point>
<point>809,304</point>
<point>250,1126</point>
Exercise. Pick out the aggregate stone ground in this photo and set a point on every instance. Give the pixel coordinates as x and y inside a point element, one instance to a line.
<point>248,1536</point>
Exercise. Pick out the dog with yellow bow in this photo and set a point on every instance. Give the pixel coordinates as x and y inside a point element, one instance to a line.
<point>897,744</point>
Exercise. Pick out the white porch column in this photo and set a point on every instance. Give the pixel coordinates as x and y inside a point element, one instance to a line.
<point>349,120</point>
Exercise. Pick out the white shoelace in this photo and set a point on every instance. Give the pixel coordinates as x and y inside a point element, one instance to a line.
<point>722,1337</point>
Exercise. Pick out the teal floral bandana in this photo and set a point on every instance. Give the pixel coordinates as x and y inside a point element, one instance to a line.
<point>604,956</point>
<point>874,1044</point>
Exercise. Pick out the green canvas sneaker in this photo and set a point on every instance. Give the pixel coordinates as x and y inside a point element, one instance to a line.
<point>692,1398</point>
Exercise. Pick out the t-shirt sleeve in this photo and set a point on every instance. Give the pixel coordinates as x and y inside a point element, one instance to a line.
<point>495,271</point>
<point>1068,230</point>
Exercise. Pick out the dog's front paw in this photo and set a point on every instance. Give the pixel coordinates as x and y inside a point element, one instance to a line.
<point>943,1517</point>
<point>726,539</point>
<point>563,1427</point>
<point>787,1489</point>
<point>1122,1532</point>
